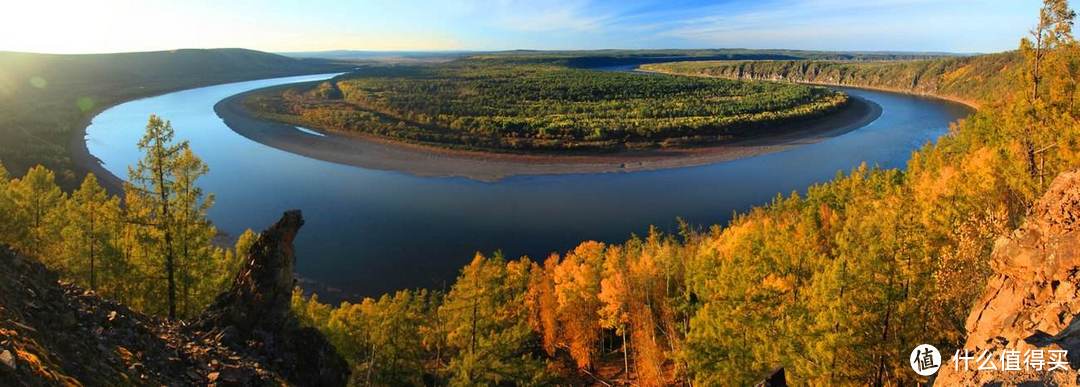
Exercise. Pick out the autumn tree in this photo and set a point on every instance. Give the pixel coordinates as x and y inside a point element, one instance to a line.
<point>615,293</point>
<point>577,286</point>
<point>1049,80</point>
<point>542,303</point>
<point>487,329</point>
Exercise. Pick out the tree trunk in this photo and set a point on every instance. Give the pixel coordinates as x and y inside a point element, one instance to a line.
<point>164,224</point>
<point>475,307</point>
<point>625,359</point>
<point>92,236</point>
<point>1033,167</point>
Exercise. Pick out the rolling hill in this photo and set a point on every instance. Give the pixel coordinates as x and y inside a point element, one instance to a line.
<point>46,99</point>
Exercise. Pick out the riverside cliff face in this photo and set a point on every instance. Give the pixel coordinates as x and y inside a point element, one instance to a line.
<point>1032,302</point>
<point>53,333</point>
<point>969,80</point>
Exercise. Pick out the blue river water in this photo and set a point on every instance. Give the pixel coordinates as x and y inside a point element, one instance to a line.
<point>372,231</point>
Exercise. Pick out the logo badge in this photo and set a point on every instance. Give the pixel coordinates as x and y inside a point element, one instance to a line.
<point>925,360</point>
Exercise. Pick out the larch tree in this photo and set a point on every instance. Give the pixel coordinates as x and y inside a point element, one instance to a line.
<point>164,202</point>
<point>196,257</point>
<point>1047,77</point>
<point>37,199</point>
<point>614,296</point>
<point>92,220</point>
<point>9,229</point>
<point>542,304</point>
<point>577,286</point>
<point>487,329</point>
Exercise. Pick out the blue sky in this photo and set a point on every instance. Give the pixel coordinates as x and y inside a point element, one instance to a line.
<point>292,25</point>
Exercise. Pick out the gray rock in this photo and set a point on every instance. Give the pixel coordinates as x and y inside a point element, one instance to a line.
<point>7,359</point>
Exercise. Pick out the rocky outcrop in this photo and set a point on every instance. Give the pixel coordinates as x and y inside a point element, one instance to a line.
<point>1032,303</point>
<point>260,295</point>
<point>254,315</point>
<point>52,333</point>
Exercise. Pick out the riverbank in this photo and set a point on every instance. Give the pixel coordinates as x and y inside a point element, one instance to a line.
<point>373,152</point>
<point>86,162</point>
<point>81,157</point>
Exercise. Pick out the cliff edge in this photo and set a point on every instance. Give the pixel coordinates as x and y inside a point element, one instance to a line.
<point>1032,302</point>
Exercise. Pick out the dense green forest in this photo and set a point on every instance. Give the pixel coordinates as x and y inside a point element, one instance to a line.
<point>836,285</point>
<point>969,79</point>
<point>45,99</point>
<point>520,106</point>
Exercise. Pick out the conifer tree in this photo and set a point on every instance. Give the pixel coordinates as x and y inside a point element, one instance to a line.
<point>164,201</point>
<point>577,286</point>
<point>92,218</point>
<point>9,228</point>
<point>37,199</point>
<point>487,327</point>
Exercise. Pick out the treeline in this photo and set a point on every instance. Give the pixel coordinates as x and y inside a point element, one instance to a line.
<point>526,323</point>
<point>603,58</point>
<point>494,106</point>
<point>836,286</point>
<point>970,79</point>
<point>152,249</point>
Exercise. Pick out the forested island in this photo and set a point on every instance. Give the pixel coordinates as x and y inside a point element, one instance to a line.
<point>517,105</point>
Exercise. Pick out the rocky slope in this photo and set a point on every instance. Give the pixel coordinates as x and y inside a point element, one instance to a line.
<point>53,333</point>
<point>1032,303</point>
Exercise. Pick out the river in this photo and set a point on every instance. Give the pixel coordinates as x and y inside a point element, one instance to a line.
<point>371,231</point>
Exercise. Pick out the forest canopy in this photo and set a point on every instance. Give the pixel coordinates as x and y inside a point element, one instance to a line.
<point>498,105</point>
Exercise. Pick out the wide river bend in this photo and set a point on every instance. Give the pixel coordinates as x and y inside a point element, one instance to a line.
<point>374,231</point>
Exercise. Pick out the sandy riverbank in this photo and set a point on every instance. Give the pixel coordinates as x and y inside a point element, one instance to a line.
<point>378,153</point>
<point>81,157</point>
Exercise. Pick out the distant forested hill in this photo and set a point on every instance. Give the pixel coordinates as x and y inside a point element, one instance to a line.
<point>970,79</point>
<point>593,58</point>
<point>602,58</point>
<point>45,98</point>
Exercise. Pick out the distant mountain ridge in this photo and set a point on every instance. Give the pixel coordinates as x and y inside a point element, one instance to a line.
<point>46,99</point>
<point>613,57</point>
<point>16,67</point>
